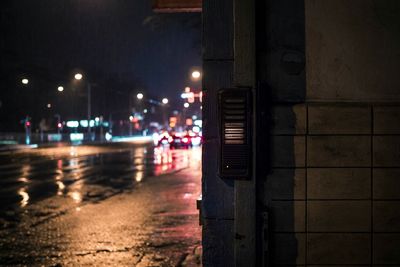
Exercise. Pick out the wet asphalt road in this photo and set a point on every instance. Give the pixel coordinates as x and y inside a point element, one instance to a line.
<point>116,205</point>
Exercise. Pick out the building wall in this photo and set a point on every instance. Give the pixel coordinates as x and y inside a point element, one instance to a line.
<point>338,201</point>
<point>218,195</point>
<point>281,69</point>
<point>332,191</point>
<point>353,50</point>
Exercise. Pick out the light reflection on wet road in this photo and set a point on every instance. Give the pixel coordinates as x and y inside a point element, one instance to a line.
<point>76,171</point>
<point>73,199</point>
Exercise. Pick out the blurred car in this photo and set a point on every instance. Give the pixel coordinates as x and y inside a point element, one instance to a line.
<point>164,139</point>
<point>196,140</point>
<point>186,141</point>
<point>176,141</point>
<point>179,140</point>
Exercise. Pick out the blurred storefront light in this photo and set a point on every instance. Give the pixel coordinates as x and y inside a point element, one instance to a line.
<point>72,124</point>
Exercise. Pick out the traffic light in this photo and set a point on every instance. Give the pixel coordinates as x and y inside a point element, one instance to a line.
<point>27,125</point>
<point>26,122</point>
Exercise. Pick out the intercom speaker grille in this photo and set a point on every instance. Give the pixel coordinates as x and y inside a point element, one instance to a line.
<point>235,114</point>
<point>234,117</point>
<point>235,158</point>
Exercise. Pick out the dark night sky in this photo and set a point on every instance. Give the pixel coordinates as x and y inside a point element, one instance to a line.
<point>121,39</point>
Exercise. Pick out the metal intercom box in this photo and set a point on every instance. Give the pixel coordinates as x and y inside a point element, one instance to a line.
<point>235,109</point>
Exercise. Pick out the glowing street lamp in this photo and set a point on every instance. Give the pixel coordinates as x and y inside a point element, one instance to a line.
<point>60,88</point>
<point>186,105</point>
<point>196,74</point>
<point>25,81</point>
<point>164,101</point>
<point>139,96</point>
<point>78,76</point>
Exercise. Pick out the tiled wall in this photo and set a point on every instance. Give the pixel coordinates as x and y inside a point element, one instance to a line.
<point>334,188</point>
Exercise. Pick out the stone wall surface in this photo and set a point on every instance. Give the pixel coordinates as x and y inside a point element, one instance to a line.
<point>342,206</point>
<point>330,69</point>
<point>333,188</point>
<point>218,195</point>
<point>353,50</point>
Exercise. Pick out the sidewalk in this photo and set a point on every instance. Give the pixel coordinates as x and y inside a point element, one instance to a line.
<point>133,139</point>
<point>16,147</point>
<point>155,224</point>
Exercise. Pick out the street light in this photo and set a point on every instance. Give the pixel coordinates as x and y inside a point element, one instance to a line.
<point>60,88</point>
<point>139,96</point>
<point>164,102</point>
<point>78,77</point>
<point>25,81</point>
<point>186,105</point>
<point>196,74</point>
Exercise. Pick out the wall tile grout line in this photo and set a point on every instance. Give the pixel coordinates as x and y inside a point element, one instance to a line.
<point>335,199</point>
<point>306,188</point>
<point>372,185</point>
<point>332,232</point>
<point>336,167</point>
<point>336,134</point>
